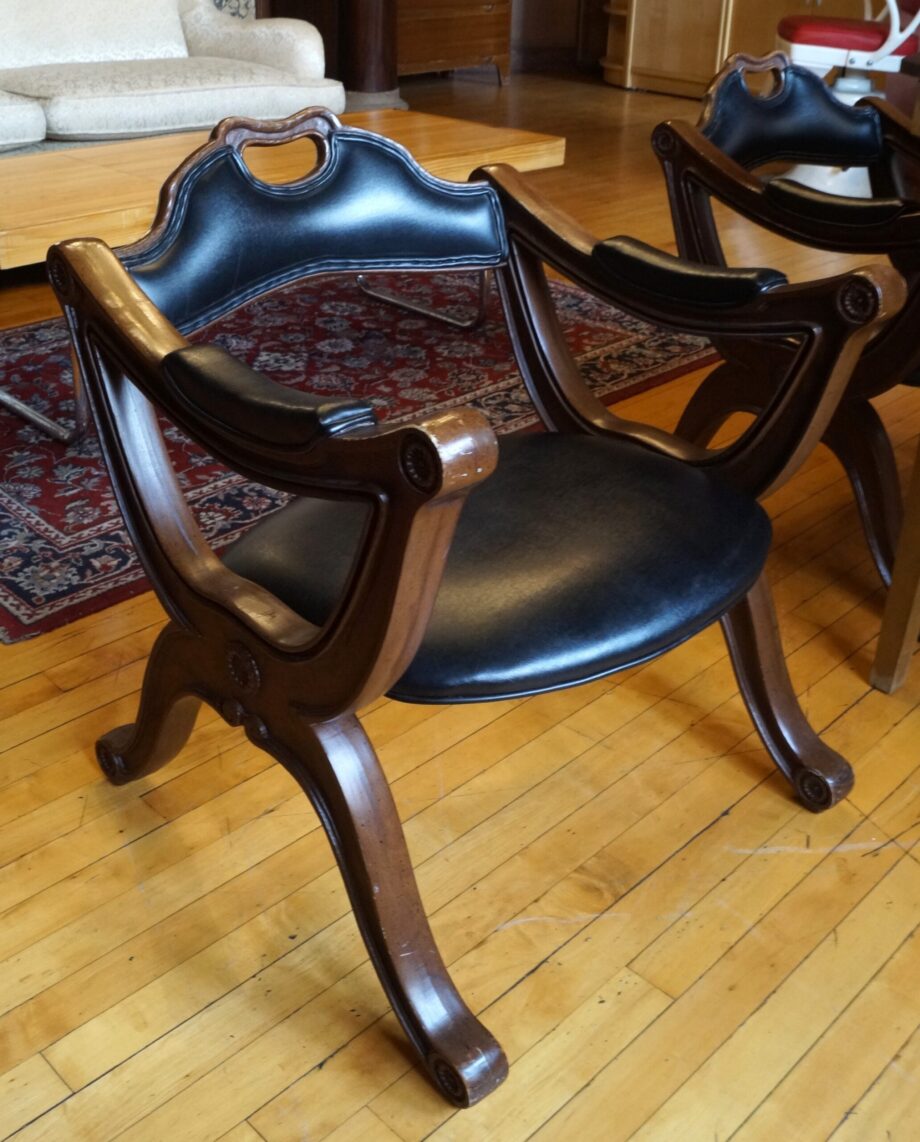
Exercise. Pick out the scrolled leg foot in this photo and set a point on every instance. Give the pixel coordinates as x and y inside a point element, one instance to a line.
<point>165,717</point>
<point>817,773</point>
<point>469,1082</point>
<point>336,766</point>
<point>110,754</point>
<point>819,791</point>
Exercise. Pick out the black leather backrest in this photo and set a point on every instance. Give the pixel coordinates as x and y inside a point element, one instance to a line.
<point>801,121</point>
<point>367,206</point>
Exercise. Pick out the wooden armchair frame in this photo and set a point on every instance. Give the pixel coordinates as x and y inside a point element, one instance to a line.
<point>800,121</point>
<point>295,684</point>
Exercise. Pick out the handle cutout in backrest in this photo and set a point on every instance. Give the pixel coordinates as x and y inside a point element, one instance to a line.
<point>797,119</point>
<point>302,138</point>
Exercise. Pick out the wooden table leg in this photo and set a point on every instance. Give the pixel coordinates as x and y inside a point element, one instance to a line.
<point>901,617</point>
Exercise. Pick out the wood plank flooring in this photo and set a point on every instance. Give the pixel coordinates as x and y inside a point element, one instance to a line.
<point>668,947</point>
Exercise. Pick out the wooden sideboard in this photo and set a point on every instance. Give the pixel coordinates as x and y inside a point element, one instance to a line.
<point>677,47</point>
<point>431,35</point>
<point>438,35</point>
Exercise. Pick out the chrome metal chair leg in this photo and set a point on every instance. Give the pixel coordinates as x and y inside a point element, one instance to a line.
<point>391,298</point>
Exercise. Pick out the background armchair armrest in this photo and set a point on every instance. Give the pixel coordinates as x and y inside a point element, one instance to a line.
<point>824,324</point>
<point>291,46</point>
<point>832,209</point>
<point>696,170</point>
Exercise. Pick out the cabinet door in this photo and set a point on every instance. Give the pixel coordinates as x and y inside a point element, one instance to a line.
<point>752,23</point>
<point>675,44</point>
<point>437,35</point>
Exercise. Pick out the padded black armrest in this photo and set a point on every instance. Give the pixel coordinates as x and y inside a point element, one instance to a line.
<point>834,209</point>
<point>655,272</point>
<point>223,391</point>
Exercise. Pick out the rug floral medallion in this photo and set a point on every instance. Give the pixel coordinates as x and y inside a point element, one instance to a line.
<point>64,551</point>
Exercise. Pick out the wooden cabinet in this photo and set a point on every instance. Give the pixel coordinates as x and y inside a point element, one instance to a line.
<point>616,63</point>
<point>430,35</point>
<point>437,35</point>
<point>675,44</point>
<point>677,47</point>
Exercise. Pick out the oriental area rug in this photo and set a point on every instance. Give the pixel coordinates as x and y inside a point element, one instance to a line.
<point>64,551</point>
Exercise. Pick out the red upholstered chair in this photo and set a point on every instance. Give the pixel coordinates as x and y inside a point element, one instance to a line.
<point>822,43</point>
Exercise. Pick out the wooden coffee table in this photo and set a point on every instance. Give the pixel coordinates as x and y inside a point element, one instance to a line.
<point>110,191</point>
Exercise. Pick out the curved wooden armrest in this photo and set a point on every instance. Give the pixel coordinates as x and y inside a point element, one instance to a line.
<point>843,313</point>
<point>835,210</point>
<point>627,273</point>
<point>414,477</point>
<point>830,321</point>
<point>696,171</point>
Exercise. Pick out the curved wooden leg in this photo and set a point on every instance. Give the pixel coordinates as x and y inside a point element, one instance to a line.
<point>897,641</point>
<point>165,717</point>
<point>819,775</point>
<point>727,389</point>
<point>858,439</point>
<point>338,769</point>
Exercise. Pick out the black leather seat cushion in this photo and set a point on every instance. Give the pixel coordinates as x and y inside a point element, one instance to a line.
<point>578,557</point>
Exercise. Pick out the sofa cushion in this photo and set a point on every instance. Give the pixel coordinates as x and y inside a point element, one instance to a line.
<point>51,31</point>
<point>123,99</point>
<point>22,121</point>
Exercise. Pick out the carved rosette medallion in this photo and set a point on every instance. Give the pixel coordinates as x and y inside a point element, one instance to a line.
<point>243,669</point>
<point>448,1080</point>
<point>662,142</point>
<point>420,465</point>
<point>858,301</point>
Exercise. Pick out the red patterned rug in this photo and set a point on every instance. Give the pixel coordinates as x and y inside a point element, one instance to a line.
<point>63,550</point>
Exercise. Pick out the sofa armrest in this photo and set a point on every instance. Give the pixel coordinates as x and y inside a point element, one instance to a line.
<point>291,46</point>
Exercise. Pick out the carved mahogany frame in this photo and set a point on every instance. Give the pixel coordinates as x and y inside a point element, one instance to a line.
<point>697,172</point>
<point>295,688</point>
<point>831,320</point>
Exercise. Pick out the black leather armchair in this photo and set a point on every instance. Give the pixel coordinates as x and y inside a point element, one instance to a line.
<point>726,157</point>
<point>429,561</point>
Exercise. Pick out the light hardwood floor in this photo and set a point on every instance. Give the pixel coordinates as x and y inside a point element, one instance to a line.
<point>666,945</point>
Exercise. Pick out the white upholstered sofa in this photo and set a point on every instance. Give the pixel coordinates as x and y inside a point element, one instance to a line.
<point>115,69</point>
